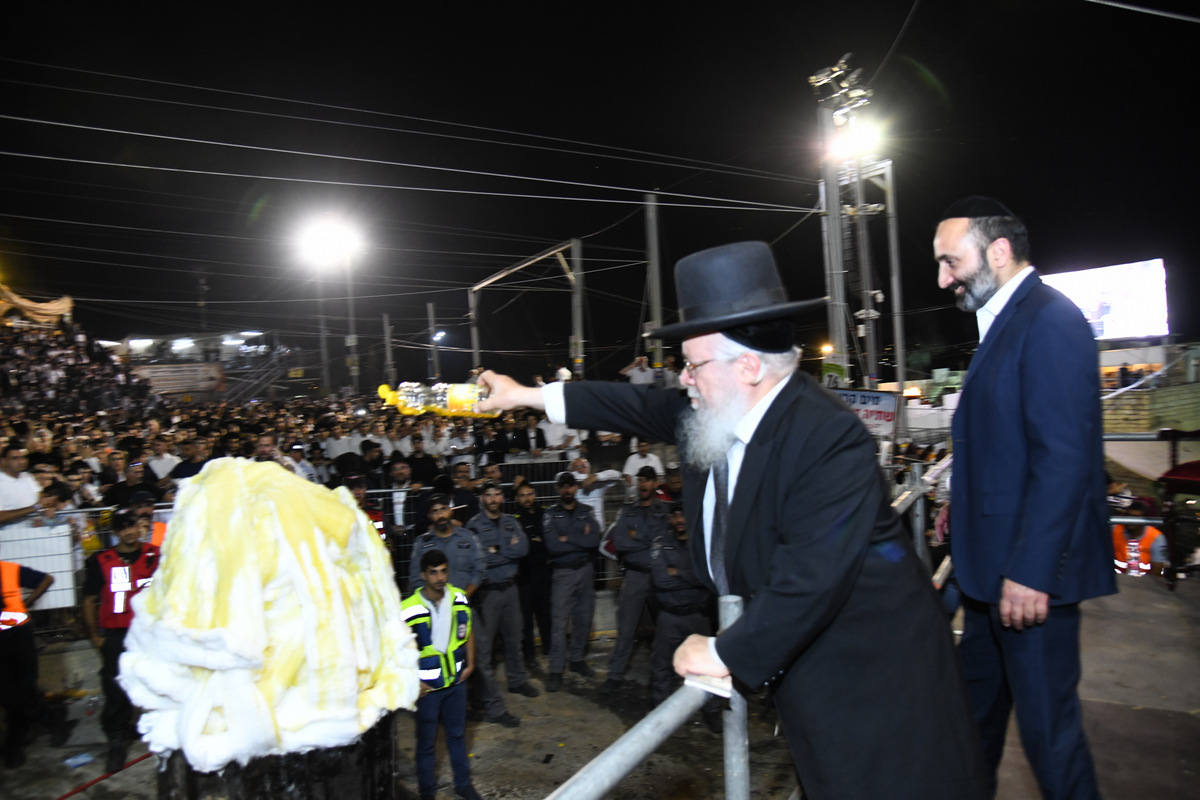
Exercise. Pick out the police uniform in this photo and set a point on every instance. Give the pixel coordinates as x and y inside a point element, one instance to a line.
<point>636,527</point>
<point>445,700</point>
<point>572,597</point>
<point>684,608</point>
<point>116,578</point>
<point>533,578</point>
<point>499,602</point>
<point>467,567</point>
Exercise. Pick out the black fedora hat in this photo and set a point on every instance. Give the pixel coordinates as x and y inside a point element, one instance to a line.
<point>728,287</point>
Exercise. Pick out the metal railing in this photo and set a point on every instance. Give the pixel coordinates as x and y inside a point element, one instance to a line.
<point>606,770</point>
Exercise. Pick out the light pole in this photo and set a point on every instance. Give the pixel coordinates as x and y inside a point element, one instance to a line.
<point>325,242</point>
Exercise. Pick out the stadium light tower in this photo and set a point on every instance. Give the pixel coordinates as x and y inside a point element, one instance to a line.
<point>327,242</point>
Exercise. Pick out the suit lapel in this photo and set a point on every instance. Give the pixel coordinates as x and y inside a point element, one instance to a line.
<point>1006,314</point>
<point>754,465</point>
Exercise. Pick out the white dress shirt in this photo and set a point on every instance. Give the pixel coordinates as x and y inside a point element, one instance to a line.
<point>985,316</point>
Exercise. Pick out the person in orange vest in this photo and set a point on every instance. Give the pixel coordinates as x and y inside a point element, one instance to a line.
<point>19,692</point>
<point>1136,548</point>
<point>112,578</point>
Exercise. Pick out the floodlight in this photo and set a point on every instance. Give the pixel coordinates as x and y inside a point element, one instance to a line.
<point>180,345</point>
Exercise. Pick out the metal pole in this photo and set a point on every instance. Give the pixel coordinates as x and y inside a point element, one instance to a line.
<point>472,301</point>
<point>606,770</point>
<point>433,351</point>
<point>351,339</point>
<point>654,277</point>
<point>918,517</point>
<point>324,345</point>
<point>389,365</point>
<point>901,352</point>
<point>835,286</point>
<point>737,739</point>
<point>864,270</point>
<point>577,308</point>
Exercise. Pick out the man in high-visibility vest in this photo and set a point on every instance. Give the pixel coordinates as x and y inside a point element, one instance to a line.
<point>1136,548</point>
<point>439,615</point>
<point>112,579</point>
<point>19,692</point>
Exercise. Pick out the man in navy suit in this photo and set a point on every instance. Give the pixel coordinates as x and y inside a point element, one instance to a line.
<point>1027,512</point>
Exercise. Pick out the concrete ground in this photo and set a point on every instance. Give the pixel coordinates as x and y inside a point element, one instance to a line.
<point>1140,690</point>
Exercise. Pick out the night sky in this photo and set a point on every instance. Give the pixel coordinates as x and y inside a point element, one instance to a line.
<point>146,148</point>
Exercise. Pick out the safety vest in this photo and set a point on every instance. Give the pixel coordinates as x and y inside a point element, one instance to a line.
<point>437,669</point>
<point>157,533</point>
<point>121,581</point>
<point>14,612</point>
<point>1139,549</point>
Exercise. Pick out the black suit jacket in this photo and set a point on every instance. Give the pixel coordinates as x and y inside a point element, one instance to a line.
<point>840,616</point>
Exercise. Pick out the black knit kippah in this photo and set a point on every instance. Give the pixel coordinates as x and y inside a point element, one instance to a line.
<point>977,206</point>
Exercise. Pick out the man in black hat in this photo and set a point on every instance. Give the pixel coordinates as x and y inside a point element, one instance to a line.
<point>789,511</point>
<point>1027,512</point>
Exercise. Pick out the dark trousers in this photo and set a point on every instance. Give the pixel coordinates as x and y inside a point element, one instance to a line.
<point>636,590</point>
<point>669,632</point>
<point>535,608</point>
<point>19,684</point>
<point>117,715</point>
<point>449,706</point>
<point>1035,671</point>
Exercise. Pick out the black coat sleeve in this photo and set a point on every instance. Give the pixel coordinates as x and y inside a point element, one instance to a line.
<point>640,410</point>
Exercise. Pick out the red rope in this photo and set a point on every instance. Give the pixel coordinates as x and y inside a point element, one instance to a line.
<point>103,777</point>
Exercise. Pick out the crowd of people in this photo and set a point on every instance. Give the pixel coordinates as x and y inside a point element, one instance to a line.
<point>83,443</point>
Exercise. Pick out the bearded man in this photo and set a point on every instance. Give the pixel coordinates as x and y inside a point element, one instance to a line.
<point>790,512</point>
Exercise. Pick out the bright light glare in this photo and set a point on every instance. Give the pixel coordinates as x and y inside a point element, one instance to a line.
<point>437,337</point>
<point>912,391</point>
<point>826,349</point>
<point>181,344</point>
<point>140,344</point>
<point>858,139</point>
<point>228,342</point>
<point>249,334</point>
<point>328,240</point>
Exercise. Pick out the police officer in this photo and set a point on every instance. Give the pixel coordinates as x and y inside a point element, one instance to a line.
<point>467,567</point>
<point>503,542</point>
<point>533,575</point>
<point>572,535</point>
<point>638,524</point>
<point>684,608</point>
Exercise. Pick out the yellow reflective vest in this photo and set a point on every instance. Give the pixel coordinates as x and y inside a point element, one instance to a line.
<point>437,669</point>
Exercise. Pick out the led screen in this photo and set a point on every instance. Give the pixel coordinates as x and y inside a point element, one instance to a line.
<point>1128,301</point>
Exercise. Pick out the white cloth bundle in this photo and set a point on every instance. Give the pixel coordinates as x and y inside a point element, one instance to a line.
<point>272,625</point>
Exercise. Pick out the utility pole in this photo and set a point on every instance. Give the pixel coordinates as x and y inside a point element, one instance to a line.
<point>389,366</point>
<point>434,367</point>
<point>654,278</point>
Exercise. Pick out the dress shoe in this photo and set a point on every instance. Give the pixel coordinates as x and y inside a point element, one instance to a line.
<point>506,719</point>
<point>116,756</point>
<point>554,683</point>
<point>712,720</point>
<point>467,792</point>
<point>56,721</point>
<point>610,687</point>
<point>582,668</point>
<point>527,689</point>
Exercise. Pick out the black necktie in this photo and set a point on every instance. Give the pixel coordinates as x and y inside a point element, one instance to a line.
<point>720,516</point>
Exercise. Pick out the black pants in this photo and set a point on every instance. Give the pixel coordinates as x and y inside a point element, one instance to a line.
<point>535,608</point>
<point>118,711</point>
<point>19,684</point>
